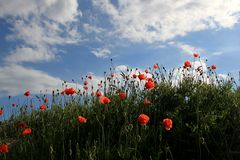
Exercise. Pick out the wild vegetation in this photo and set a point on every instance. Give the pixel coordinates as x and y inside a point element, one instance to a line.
<point>189,112</point>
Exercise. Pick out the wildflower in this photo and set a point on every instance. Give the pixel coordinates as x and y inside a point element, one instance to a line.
<point>85,87</point>
<point>214,66</point>
<point>69,91</point>
<point>1,111</point>
<point>14,104</point>
<point>112,75</point>
<point>46,100</point>
<point>146,71</point>
<point>86,83</point>
<point>27,93</point>
<point>143,119</point>
<point>187,64</point>
<point>167,122</point>
<point>82,119</point>
<point>27,131</point>
<point>104,100</point>
<point>134,76</point>
<point>98,93</point>
<point>149,79</point>
<point>155,66</point>
<point>196,55</point>
<point>22,124</point>
<point>122,95</point>
<point>43,107</point>
<point>89,77</point>
<point>141,76</point>
<point>3,148</point>
<point>146,102</point>
<point>150,85</point>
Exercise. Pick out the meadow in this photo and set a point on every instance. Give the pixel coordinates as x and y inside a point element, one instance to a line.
<point>188,112</point>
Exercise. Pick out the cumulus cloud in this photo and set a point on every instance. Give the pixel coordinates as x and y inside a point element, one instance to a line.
<point>161,20</point>
<point>15,79</point>
<point>186,48</point>
<point>101,52</point>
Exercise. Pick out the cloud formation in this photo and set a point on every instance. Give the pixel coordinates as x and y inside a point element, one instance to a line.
<point>161,20</point>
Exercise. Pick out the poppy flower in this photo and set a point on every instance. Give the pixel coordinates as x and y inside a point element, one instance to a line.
<point>122,95</point>
<point>146,71</point>
<point>85,82</point>
<point>167,123</point>
<point>104,100</point>
<point>3,148</point>
<point>150,85</point>
<point>42,107</point>
<point>141,76</point>
<point>214,66</point>
<point>187,64</point>
<point>149,79</point>
<point>134,76</point>
<point>89,77</point>
<point>155,66</point>
<point>85,87</point>
<point>27,131</point>
<point>1,111</point>
<point>98,93</point>
<point>27,93</point>
<point>46,100</point>
<point>22,125</point>
<point>69,91</point>
<point>146,101</point>
<point>143,119</point>
<point>112,75</point>
<point>82,119</point>
<point>196,55</point>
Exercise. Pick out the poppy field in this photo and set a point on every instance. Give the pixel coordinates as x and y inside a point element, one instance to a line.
<point>189,112</point>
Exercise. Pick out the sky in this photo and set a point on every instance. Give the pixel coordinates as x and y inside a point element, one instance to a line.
<point>45,42</point>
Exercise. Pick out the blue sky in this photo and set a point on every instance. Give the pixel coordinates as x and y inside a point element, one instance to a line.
<point>45,42</point>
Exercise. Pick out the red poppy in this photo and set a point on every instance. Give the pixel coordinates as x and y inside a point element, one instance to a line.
<point>122,95</point>
<point>46,100</point>
<point>143,119</point>
<point>150,85</point>
<point>98,93</point>
<point>85,87</point>
<point>141,76</point>
<point>187,64</point>
<point>27,93</point>
<point>85,82</point>
<point>69,91</point>
<point>89,77</point>
<point>214,66</point>
<point>155,66</point>
<point>146,71</point>
<point>22,125</point>
<point>134,76</point>
<point>167,123</point>
<point>3,148</point>
<point>104,100</point>
<point>82,119</point>
<point>149,79</point>
<point>112,75</point>
<point>196,55</point>
<point>1,111</point>
<point>42,107</point>
<point>27,131</point>
<point>146,102</point>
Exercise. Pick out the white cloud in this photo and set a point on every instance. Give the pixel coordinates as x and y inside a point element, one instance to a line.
<point>57,10</point>
<point>161,20</point>
<point>92,29</point>
<point>101,52</point>
<point>217,53</point>
<point>186,48</point>
<point>27,54</point>
<point>15,79</point>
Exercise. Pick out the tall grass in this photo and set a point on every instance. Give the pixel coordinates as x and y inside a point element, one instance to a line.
<point>205,111</point>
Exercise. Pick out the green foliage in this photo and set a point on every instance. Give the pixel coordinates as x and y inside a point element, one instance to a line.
<point>206,125</point>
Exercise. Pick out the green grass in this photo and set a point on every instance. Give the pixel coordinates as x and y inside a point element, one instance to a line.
<point>206,125</point>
